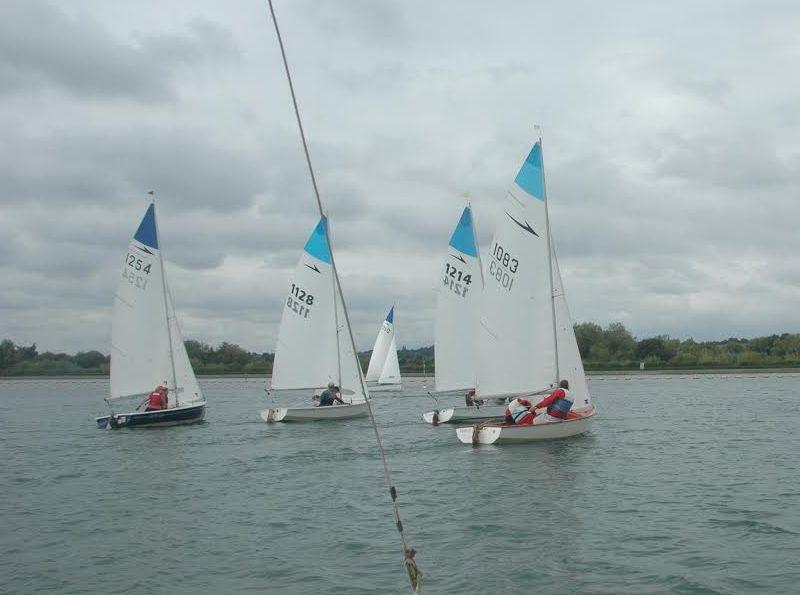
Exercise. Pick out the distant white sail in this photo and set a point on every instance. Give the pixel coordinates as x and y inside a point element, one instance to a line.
<point>144,323</point>
<point>384,367</point>
<point>391,366</point>
<point>460,286</point>
<point>516,346</point>
<point>570,366</point>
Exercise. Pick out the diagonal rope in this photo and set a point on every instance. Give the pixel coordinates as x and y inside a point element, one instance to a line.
<point>413,573</point>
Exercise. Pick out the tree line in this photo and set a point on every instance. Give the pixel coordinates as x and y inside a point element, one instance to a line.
<point>609,348</point>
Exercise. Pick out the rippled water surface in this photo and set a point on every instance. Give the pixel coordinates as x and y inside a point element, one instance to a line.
<point>683,485</point>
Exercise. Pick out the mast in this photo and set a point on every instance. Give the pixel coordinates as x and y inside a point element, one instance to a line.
<point>550,261</point>
<point>475,240</point>
<point>166,306</point>
<point>408,553</point>
<point>336,312</point>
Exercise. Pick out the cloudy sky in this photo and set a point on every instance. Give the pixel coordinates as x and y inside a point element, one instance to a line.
<point>671,140</point>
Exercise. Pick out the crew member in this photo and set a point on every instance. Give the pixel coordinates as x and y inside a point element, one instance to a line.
<point>519,412</point>
<point>330,396</point>
<point>157,399</point>
<point>558,404</point>
<point>470,399</point>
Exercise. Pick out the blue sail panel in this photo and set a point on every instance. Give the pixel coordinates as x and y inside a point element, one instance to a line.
<point>146,234</point>
<point>531,176</point>
<point>317,244</point>
<point>463,239</point>
<point>390,316</point>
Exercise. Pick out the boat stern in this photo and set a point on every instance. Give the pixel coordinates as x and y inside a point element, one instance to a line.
<point>438,416</point>
<point>274,414</point>
<point>478,434</point>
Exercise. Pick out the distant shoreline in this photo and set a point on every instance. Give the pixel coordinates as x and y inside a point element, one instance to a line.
<point>652,372</point>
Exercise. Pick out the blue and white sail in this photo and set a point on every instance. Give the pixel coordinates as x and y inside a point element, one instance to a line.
<point>516,347</point>
<point>313,346</point>
<point>384,367</point>
<point>460,286</point>
<point>146,343</point>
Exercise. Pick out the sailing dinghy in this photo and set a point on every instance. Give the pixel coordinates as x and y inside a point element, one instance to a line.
<point>456,326</point>
<point>383,372</point>
<point>314,347</point>
<point>147,347</point>
<point>526,341</point>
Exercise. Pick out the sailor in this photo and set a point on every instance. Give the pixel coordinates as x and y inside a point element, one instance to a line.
<point>519,412</point>
<point>330,396</point>
<point>157,399</point>
<point>558,404</point>
<point>470,399</point>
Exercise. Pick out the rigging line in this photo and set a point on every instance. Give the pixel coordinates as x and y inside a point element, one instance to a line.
<point>411,570</point>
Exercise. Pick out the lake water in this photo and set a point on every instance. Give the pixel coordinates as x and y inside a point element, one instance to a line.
<point>683,485</point>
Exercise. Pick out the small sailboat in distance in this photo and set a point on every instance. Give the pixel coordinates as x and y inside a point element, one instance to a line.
<point>147,347</point>
<point>457,325</point>
<point>314,347</point>
<point>526,340</point>
<point>383,372</point>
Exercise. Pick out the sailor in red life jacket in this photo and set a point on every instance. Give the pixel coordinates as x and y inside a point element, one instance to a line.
<point>519,412</point>
<point>558,404</point>
<point>157,399</point>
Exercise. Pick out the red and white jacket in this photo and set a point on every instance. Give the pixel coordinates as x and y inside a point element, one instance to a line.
<point>558,403</point>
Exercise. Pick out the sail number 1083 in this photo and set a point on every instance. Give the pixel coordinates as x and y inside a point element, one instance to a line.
<point>503,266</point>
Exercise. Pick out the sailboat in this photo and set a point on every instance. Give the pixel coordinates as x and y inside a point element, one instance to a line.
<point>383,372</point>
<point>461,283</point>
<point>147,347</point>
<point>526,341</point>
<point>314,347</point>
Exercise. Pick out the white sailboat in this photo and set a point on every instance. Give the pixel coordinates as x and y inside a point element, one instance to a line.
<point>457,325</point>
<point>526,340</point>
<point>314,347</point>
<point>147,347</point>
<point>383,372</point>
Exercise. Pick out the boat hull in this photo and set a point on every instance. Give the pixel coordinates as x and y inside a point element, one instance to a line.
<point>509,434</point>
<point>314,413</point>
<point>384,388</point>
<point>177,416</point>
<point>456,415</point>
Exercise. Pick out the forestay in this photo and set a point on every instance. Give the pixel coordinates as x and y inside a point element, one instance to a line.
<point>516,346</point>
<point>456,309</point>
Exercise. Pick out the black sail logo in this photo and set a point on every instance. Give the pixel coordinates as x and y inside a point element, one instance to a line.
<point>526,226</point>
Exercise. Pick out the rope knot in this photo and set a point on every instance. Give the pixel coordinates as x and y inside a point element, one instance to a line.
<point>414,573</point>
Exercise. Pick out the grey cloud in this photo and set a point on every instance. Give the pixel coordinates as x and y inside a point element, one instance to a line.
<point>41,45</point>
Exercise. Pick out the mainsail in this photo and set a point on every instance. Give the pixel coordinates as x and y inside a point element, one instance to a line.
<point>516,346</point>
<point>313,343</point>
<point>146,343</point>
<point>456,309</point>
<point>384,367</point>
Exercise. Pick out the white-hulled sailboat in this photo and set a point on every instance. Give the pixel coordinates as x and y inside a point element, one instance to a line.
<point>383,372</point>
<point>526,340</point>
<point>456,325</point>
<point>314,347</point>
<point>147,347</point>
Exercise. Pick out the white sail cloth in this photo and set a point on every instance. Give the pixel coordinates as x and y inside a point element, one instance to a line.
<point>516,346</point>
<point>314,346</point>
<point>146,343</point>
<point>384,367</point>
<point>461,282</point>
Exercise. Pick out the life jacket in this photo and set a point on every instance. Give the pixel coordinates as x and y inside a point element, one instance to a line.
<point>156,401</point>
<point>517,408</point>
<point>561,406</point>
